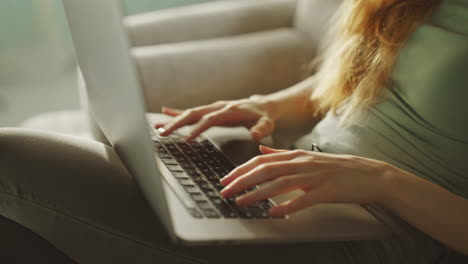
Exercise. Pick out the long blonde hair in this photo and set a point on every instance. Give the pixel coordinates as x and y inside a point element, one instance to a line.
<point>355,68</point>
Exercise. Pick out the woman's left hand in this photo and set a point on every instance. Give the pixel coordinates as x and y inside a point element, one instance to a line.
<point>324,178</point>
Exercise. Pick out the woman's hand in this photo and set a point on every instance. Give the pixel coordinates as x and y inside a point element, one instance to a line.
<point>254,113</point>
<point>324,178</point>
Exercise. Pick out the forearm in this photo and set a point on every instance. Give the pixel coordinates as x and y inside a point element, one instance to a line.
<point>429,207</point>
<point>291,105</point>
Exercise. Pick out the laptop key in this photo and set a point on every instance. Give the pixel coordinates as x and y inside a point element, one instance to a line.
<point>265,204</point>
<point>245,213</point>
<point>210,213</point>
<point>181,159</point>
<point>197,197</point>
<point>180,175</point>
<point>198,179</point>
<point>205,186</point>
<point>160,150</point>
<point>205,155</point>
<point>186,165</point>
<point>195,213</point>
<point>177,153</point>
<point>192,172</point>
<point>213,177</point>
<point>212,162</point>
<point>218,186</point>
<point>211,193</point>
<point>259,213</point>
<point>185,182</point>
<point>174,168</point>
<point>204,205</point>
<point>206,171</point>
<point>165,140</point>
<point>224,208</point>
<point>169,161</point>
<point>228,213</point>
<point>191,189</point>
<point>164,155</point>
<point>170,146</point>
<point>200,164</point>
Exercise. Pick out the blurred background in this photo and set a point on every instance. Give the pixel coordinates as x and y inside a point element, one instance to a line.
<point>37,64</point>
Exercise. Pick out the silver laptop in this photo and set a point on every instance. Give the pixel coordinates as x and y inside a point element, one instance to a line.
<point>179,179</point>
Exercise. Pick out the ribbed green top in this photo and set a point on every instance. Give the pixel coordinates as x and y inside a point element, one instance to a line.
<point>422,124</point>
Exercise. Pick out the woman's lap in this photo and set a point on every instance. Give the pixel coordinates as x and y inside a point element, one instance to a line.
<point>78,195</point>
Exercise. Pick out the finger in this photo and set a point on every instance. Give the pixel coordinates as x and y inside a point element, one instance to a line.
<point>171,111</point>
<point>279,186</point>
<point>262,174</point>
<point>301,202</point>
<point>188,117</point>
<point>257,161</point>
<point>159,125</point>
<point>263,128</point>
<point>268,150</point>
<point>215,118</point>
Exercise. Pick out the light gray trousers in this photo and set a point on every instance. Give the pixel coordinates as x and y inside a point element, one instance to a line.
<point>77,195</point>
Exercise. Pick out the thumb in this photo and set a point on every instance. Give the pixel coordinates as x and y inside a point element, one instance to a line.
<point>263,128</point>
<point>268,150</point>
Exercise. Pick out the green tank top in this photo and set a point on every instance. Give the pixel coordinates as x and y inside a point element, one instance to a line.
<point>422,125</point>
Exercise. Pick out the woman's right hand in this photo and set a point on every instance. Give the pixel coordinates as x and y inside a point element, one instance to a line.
<point>256,114</point>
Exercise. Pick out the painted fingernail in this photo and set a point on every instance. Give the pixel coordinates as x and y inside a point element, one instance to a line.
<point>255,133</point>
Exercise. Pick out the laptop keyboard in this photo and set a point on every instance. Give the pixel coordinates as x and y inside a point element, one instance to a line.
<point>198,166</point>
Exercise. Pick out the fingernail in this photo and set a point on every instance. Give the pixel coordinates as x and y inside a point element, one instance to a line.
<point>226,192</point>
<point>263,148</point>
<point>272,212</point>
<point>223,181</point>
<point>240,201</point>
<point>257,135</point>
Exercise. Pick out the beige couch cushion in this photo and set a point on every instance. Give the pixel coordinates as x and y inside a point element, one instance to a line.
<point>313,18</point>
<point>200,72</point>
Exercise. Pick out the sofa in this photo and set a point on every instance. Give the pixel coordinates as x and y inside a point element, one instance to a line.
<point>195,55</point>
<point>189,56</point>
<point>207,52</point>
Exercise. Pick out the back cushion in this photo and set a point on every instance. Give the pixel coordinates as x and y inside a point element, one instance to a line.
<point>313,18</point>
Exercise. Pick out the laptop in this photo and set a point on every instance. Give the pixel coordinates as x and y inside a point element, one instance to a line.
<point>180,179</point>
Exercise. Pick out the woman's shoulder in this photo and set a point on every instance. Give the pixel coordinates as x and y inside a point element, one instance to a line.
<point>451,15</point>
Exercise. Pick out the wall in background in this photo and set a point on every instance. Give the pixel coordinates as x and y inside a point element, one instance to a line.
<point>37,66</point>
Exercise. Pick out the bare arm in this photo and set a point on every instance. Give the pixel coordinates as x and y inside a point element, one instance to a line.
<point>331,178</point>
<point>259,113</point>
<point>429,207</point>
<point>292,106</point>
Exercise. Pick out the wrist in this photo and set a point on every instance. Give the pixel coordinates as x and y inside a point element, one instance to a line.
<point>269,104</point>
<point>390,181</point>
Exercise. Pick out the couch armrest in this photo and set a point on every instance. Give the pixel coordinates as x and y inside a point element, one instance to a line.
<point>200,72</point>
<point>209,20</point>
